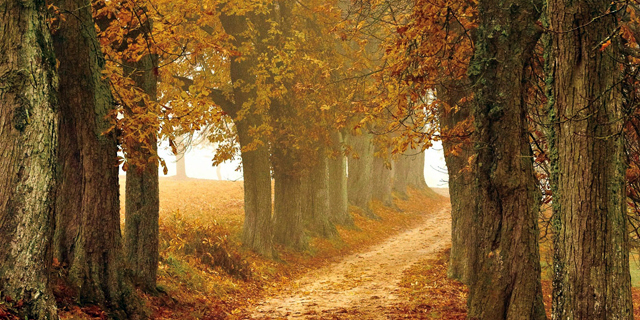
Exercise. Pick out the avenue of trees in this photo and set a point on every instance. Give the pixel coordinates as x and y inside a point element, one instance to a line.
<point>333,101</point>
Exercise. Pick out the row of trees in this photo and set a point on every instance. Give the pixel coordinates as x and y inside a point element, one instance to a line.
<point>106,76</point>
<point>536,101</point>
<point>530,98</point>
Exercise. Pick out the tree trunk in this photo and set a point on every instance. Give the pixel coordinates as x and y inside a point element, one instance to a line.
<point>256,168</point>
<point>506,262</point>
<point>415,176</point>
<point>382,182</point>
<point>257,228</point>
<point>461,190</point>
<point>142,203</point>
<point>338,197</point>
<point>288,226</point>
<point>591,258</point>
<point>28,141</point>
<point>88,237</point>
<point>181,160</point>
<point>316,207</point>
<point>361,174</point>
<point>400,174</point>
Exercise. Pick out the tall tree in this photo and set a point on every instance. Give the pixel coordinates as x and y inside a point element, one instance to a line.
<point>506,263</point>
<point>339,199</point>
<point>142,200</point>
<point>382,182</point>
<point>28,139</point>
<point>316,205</point>
<point>457,152</point>
<point>87,237</point>
<point>360,173</point>
<point>591,254</point>
<point>257,229</point>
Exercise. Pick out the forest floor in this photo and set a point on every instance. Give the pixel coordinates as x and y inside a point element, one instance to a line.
<point>393,268</point>
<point>364,285</point>
<point>205,273</point>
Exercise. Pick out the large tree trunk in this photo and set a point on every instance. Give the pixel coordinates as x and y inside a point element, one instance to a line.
<point>256,168</point>
<point>461,189</point>
<point>88,237</point>
<point>257,229</point>
<point>288,226</point>
<point>316,206</point>
<point>28,141</point>
<point>591,258</point>
<point>338,197</point>
<point>142,203</point>
<point>361,173</point>
<point>506,262</point>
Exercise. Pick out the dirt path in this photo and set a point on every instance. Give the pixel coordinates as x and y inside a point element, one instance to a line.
<point>363,285</point>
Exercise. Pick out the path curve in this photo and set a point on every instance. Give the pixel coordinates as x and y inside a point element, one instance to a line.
<point>363,285</point>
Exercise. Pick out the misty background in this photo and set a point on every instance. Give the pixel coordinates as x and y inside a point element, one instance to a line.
<point>198,162</point>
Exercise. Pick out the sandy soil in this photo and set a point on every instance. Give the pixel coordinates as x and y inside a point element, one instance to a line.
<point>363,285</point>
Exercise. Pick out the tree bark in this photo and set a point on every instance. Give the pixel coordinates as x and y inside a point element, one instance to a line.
<point>142,200</point>
<point>316,206</point>
<point>506,274</point>
<point>288,226</point>
<point>361,174</point>
<point>87,238</point>
<point>338,197</point>
<point>591,254</point>
<point>415,176</point>
<point>256,168</point>
<point>181,160</point>
<point>400,174</point>
<point>257,228</point>
<point>28,142</point>
<point>461,190</point>
<point>382,182</point>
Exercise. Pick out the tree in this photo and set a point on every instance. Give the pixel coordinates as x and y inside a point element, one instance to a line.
<point>339,199</point>
<point>360,173</point>
<point>142,200</point>
<point>591,248</point>
<point>382,181</point>
<point>29,138</point>
<point>454,113</point>
<point>506,265</point>
<point>87,237</point>
<point>257,229</point>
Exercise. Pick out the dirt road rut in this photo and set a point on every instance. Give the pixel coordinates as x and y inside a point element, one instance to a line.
<point>362,285</point>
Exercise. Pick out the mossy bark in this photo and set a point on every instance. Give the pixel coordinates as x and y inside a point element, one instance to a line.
<point>28,140</point>
<point>506,263</point>
<point>591,254</point>
<point>87,237</point>
<point>142,200</point>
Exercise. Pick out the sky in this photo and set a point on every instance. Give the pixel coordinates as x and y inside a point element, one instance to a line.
<point>198,163</point>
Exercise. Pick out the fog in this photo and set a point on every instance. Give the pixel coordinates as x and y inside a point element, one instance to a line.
<point>198,163</point>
